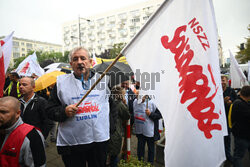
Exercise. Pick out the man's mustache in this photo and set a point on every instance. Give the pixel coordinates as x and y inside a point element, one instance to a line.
<point>80,66</point>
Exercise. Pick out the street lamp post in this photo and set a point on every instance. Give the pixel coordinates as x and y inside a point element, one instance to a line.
<point>79,24</point>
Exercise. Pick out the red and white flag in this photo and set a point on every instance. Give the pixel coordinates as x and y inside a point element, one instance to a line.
<point>175,57</point>
<point>5,56</point>
<point>29,66</point>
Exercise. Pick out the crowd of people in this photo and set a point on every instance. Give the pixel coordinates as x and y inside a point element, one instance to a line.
<point>93,132</point>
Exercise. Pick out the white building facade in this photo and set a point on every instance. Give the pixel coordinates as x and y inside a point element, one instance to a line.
<point>22,46</point>
<point>102,31</point>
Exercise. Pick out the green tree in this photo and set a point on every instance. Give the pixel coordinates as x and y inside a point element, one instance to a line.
<point>243,55</point>
<point>65,57</point>
<point>116,50</point>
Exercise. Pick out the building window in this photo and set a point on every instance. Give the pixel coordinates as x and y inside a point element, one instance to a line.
<point>132,29</point>
<point>123,32</point>
<point>74,27</point>
<point>66,29</point>
<point>15,43</point>
<point>102,42</point>
<point>123,40</point>
<point>15,49</point>
<point>23,55</point>
<point>111,18</point>
<point>122,16</point>
<point>145,18</point>
<point>23,49</point>
<point>101,21</point>
<point>29,45</point>
<point>22,43</point>
<point>16,55</point>
<point>135,13</point>
<point>148,10</point>
<point>135,20</point>
<point>111,25</point>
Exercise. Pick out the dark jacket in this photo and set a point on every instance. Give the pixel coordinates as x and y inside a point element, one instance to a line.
<point>34,114</point>
<point>241,119</point>
<point>233,96</point>
<point>155,116</point>
<point>55,110</point>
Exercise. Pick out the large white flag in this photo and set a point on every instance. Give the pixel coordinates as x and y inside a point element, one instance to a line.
<point>5,56</point>
<point>29,66</point>
<point>238,78</point>
<point>175,57</point>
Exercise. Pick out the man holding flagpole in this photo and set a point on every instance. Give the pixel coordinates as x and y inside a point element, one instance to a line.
<point>83,130</point>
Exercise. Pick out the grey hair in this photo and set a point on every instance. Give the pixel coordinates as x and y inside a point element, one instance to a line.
<point>72,52</point>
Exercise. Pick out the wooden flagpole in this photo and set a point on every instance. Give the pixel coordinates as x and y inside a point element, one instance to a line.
<point>99,79</point>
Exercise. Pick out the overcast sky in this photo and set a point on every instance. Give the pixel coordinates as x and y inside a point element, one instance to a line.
<point>42,19</point>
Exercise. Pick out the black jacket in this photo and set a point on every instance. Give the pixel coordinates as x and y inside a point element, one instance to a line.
<point>241,119</point>
<point>55,110</point>
<point>233,96</point>
<point>155,116</point>
<point>34,114</point>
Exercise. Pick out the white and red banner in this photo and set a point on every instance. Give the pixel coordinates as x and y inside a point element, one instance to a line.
<point>94,61</point>
<point>238,78</point>
<point>29,66</point>
<point>175,57</point>
<point>5,56</point>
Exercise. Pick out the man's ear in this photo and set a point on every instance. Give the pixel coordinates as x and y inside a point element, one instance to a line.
<point>91,61</point>
<point>18,114</point>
